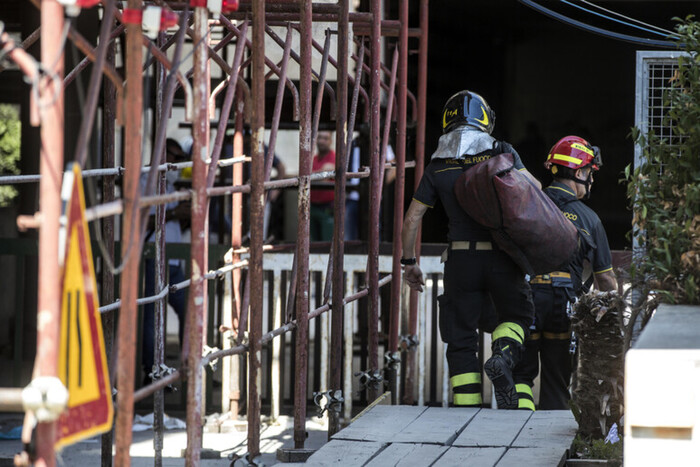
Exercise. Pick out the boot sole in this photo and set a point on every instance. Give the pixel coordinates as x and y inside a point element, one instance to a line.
<point>502,378</point>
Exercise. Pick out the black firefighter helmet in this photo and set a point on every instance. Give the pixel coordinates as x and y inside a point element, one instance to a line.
<point>467,108</point>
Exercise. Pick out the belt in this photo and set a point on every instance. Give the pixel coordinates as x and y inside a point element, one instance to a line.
<point>469,245</point>
<point>547,278</point>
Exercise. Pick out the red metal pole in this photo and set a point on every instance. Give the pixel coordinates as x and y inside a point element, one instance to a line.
<point>302,253</point>
<point>399,185</point>
<point>341,165</point>
<point>375,196</point>
<point>236,240</point>
<point>197,301</point>
<point>400,177</point>
<point>107,279</point>
<point>160,307</point>
<point>420,157</point>
<point>130,241</point>
<point>257,214</point>
<point>51,168</point>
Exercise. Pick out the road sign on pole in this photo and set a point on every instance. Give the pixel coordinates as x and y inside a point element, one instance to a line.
<point>82,363</point>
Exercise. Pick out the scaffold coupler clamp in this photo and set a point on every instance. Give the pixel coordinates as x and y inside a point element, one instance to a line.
<point>160,372</point>
<point>331,400</point>
<point>572,345</point>
<point>243,338</point>
<point>213,364</point>
<point>392,360</point>
<point>370,379</point>
<point>409,342</point>
<point>46,397</point>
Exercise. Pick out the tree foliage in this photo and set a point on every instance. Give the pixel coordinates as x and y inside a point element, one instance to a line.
<point>10,139</point>
<point>665,189</point>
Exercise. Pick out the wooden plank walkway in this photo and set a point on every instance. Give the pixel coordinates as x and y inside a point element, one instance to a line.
<point>409,436</point>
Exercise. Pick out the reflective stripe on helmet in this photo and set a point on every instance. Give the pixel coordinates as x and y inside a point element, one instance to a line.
<point>562,157</point>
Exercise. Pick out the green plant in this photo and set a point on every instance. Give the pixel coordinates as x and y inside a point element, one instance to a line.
<point>665,189</point>
<point>10,135</point>
<point>586,448</point>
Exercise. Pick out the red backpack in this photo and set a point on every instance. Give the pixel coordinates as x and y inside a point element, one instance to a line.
<point>522,219</point>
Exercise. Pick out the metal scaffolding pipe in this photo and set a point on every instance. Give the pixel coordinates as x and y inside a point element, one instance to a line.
<point>226,107</point>
<point>375,197</point>
<point>420,156</point>
<point>93,93</point>
<point>400,177</point>
<point>257,213</point>
<point>130,238</point>
<point>278,104</point>
<point>399,183</point>
<point>107,278</point>
<point>302,253</point>
<point>197,299</point>
<point>338,251</point>
<point>236,242</point>
<point>51,168</point>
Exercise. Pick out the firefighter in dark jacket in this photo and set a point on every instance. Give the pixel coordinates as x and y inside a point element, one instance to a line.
<point>572,162</point>
<point>477,275</point>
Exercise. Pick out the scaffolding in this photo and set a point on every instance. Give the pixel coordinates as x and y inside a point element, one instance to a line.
<point>363,82</point>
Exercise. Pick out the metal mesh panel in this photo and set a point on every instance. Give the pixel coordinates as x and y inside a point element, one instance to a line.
<point>659,82</point>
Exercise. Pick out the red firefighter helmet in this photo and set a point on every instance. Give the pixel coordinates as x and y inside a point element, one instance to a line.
<point>575,153</point>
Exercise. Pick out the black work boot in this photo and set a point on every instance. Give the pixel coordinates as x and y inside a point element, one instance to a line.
<point>499,369</point>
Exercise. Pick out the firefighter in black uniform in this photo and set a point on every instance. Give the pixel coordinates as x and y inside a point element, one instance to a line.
<point>477,276</point>
<point>572,162</point>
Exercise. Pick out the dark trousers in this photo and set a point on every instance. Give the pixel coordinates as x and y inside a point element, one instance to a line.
<point>547,348</point>
<point>476,283</point>
<point>321,222</point>
<point>177,300</point>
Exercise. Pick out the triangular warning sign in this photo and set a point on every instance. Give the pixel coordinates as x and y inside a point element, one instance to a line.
<point>82,363</point>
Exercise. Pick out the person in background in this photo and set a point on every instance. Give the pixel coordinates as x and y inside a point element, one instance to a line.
<point>174,213</point>
<point>477,274</point>
<point>321,228</point>
<point>572,161</point>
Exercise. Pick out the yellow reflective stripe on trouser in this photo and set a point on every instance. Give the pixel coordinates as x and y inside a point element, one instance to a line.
<point>465,378</point>
<point>526,404</point>
<point>524,389</point>
<point>467,399</point>
<point>509,330</point>
<point>525,397</point>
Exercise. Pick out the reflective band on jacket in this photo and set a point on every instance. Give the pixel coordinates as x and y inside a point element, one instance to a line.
<point>556,335</point>
<point>509,330</point>
<point>465,378</point>
<point>467,399</point>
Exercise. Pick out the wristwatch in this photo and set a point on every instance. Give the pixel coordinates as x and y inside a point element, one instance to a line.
<point>408,262</point>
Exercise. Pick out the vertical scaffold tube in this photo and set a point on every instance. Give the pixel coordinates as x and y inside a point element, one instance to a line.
<point>302,252</point>
<point>375,196</point>
<point>197,302</point>
<point>51,169</point>
<point>130,240</point>
<point>257,209</point>
<point>341,146</point>
<point>109,109</point>
<point>399,185</point>
<point>418,173</point>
